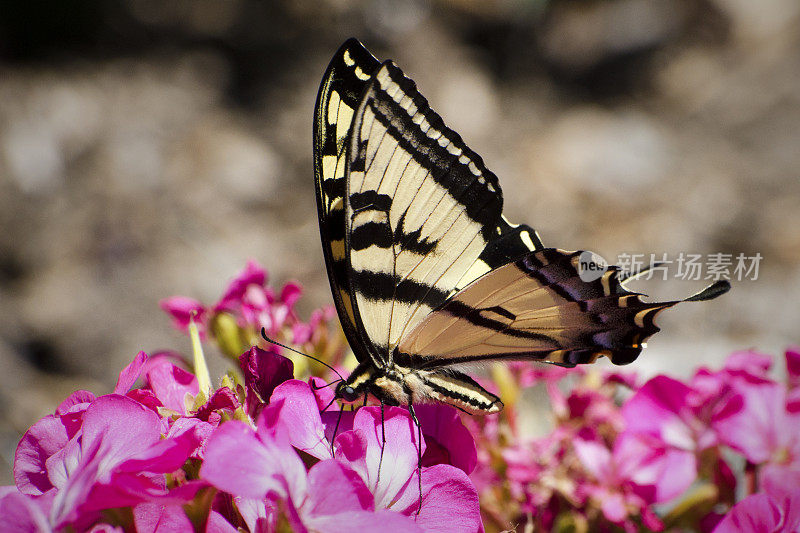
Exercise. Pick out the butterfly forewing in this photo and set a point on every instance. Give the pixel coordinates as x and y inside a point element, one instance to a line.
<point>422,210</point>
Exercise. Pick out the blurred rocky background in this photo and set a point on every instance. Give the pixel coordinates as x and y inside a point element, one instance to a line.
<point>149,148</point>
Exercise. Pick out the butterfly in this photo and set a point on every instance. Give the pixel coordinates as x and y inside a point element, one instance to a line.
<point>428,277</point>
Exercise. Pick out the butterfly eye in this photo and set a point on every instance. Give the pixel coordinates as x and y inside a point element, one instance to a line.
<point>347,393</point>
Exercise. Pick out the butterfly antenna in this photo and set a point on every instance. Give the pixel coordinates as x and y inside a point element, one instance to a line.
<point>335,381</point>
<point>264,334</point>
<point>326,407</point>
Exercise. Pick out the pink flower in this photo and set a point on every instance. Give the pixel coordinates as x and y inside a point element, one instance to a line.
<point>535,469</point>
<point>169,383</point>
<point>301,420</point>
<point>155,517</point>
<point>749,361</point>
<point>303,333</point>
<point>449,500</point>
<point>253,274</point>
<point>115,458</point>
<point>775,511</point>
<point>681,415</point>
<point>638,471</point>
<point>311,431</point>
<point>249,298</point>
<point>594,410</point>
<point>765,431</point>
<point>183,310</point>
<point>262,468</point>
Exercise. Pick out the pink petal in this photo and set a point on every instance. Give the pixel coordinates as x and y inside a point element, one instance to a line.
<point>442,427</point>
<point>793,366</point>
<point>164,456</point>
<point>25,513</point>
<point>323,394</point>
<point>385,473</point>
<point>782,478</point>
<point>348,522</point>
<point>146,398</point>
<point>754,363</point>
<point>171,384</point>
<point>263,371</point>
<point>239,462</point>
<point>627,379</point>
<point>155,518</point>
<point>595,457</point>
<point>253,274</point>
<point>67,460</point>
<point>613,507</point>
<point>127,489</point>
<point>258,514</point>
<point>182,310</point>
<point>42,440</point>
<point>222,399</point>
<point>756,513</point>
<point>660,472</point>
<point>300,417</point>
<point>203,430</point>
<point>449,500</point>
<point>76,483</point>
<point>334,488</point>
<point>758,428</point>
<point>301,333</point>
<point>130,374</point>
<point>290,293</point>
<point>77,401</point>
<point>121,426</point>
<point>659,408</point>
<point>793,401</point>
<point>218,524</point>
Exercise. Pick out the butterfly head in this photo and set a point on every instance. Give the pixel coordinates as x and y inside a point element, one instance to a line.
<point>360,383</point>
<point>347,393</point>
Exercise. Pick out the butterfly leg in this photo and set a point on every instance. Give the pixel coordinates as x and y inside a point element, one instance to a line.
<point>383,440</point>
<point>419,453</point>
<point>336,427</point>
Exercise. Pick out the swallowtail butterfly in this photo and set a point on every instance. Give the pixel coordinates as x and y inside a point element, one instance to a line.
<point>427,275</point>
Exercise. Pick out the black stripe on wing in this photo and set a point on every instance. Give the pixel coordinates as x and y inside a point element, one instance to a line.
<point>384,286</point>
<point>475,189</point>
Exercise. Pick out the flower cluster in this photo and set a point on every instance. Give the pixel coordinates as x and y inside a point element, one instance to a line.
<point>249,304</point>
<point>262,452</point>
<point>663,455</point>
<point>155,456</point>
<point>270,450</point>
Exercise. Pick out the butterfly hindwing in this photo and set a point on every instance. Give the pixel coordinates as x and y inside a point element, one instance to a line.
<point>538,308</point>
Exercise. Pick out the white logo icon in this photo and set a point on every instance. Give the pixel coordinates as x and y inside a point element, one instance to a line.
<point>591,266</point>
